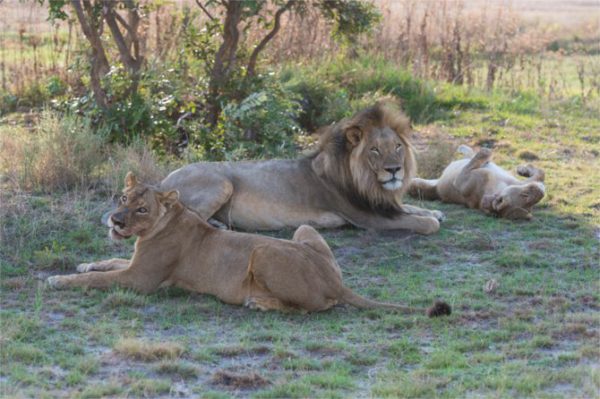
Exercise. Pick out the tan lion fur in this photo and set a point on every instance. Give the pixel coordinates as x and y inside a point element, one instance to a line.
<point>479,183</point>
<point>176,247</point>
<point>357,176</point>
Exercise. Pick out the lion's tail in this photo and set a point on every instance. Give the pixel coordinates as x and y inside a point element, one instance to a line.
<point>439,308</point>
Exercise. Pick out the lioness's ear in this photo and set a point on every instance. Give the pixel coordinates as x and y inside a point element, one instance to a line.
<point>353,135</point>
<point>130,180</point>
<point>168,198</point>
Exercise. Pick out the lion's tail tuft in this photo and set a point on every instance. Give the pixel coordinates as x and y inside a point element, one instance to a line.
<point>439,308</point>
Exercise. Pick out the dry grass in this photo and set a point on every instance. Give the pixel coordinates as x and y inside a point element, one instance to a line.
<point>435,150</point>
<point>58,154</point>
<point>148,351</point>
<point>138,158</point>
<point>485,47</point>
<point>64,153</point>
<point>455,41</point>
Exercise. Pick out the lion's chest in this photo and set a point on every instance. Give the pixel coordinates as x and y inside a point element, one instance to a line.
<point>253,211</point>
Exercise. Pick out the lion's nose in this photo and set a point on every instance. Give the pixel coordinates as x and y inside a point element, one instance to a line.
<point>117,220</point>
<point>393,170</point>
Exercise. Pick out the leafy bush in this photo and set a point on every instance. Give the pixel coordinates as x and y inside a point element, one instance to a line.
<point>261,125</point>
<point>149,112</point>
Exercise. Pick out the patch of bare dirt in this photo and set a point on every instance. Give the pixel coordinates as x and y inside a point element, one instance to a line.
<point>238,381</point>
<point>528,156</point>
<point>540,244</point>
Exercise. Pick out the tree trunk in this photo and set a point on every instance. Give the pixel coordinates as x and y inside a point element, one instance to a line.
<point>92,29</point>
<point>224,59</point>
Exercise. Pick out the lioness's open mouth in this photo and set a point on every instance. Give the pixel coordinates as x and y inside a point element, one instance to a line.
<point>115,235</point>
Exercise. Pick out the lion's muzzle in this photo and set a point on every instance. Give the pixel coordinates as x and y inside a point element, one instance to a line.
<point>392,184</point>
<point>117,227</point>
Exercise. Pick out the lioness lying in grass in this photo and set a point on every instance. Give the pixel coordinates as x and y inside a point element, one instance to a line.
<point>176,247</point>
<point>479,183</point>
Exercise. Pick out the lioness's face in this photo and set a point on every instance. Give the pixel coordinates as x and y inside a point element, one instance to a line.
<point>385,154</point>
<point>515,202</point>
<point>140,207</point>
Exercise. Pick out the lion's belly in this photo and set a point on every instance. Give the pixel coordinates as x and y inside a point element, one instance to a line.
<point>249,213</point>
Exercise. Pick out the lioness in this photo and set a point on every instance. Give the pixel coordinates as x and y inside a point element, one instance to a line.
<point>481,184</point>
<point>176,247</point>
<point>358,176</point>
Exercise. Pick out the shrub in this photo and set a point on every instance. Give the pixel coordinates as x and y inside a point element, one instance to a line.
<point>261,125</point>
<point>148,112</point>
<point>58,154</point>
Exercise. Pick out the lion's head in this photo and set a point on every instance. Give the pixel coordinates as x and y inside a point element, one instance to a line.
<point>369,157</point>
<point>140,209</point>
<point>515,202</point>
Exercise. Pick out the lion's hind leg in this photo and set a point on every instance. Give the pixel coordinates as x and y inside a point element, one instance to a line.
<point>295,280</point>
<point>465,182</point>
<point>309,236</point>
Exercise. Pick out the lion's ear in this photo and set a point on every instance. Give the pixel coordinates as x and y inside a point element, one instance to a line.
<point>353,135</point>
<point>130,180</point>
<point>169,198</point>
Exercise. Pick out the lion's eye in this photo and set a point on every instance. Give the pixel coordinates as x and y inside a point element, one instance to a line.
<point>374,150</point>
<point>142,210</point>
<point>124,199</point>
<point>398,147</point>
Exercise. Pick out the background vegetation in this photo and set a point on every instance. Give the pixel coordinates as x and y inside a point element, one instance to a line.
<point>525,83</point>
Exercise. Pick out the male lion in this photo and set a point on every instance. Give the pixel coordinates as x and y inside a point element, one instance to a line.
<point>358,176</point>
<point>176,247</point>
<point>481,184</point>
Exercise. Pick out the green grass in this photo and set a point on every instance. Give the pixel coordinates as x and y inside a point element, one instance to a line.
<point>535,336</point>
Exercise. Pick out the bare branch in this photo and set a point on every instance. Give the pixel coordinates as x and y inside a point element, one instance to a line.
<point>124,23</point>
<point>203,8</point>
<point>124,49</point>
<point>276,26</point>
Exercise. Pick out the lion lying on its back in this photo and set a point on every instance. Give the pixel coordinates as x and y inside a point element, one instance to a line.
<point>479,183</point>
<point>176,247</point>
<point>358,176</point>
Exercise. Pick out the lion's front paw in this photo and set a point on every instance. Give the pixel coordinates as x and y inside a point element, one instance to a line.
<point>85,267</point>
<point>439,215</point>
<point>55,282</point>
